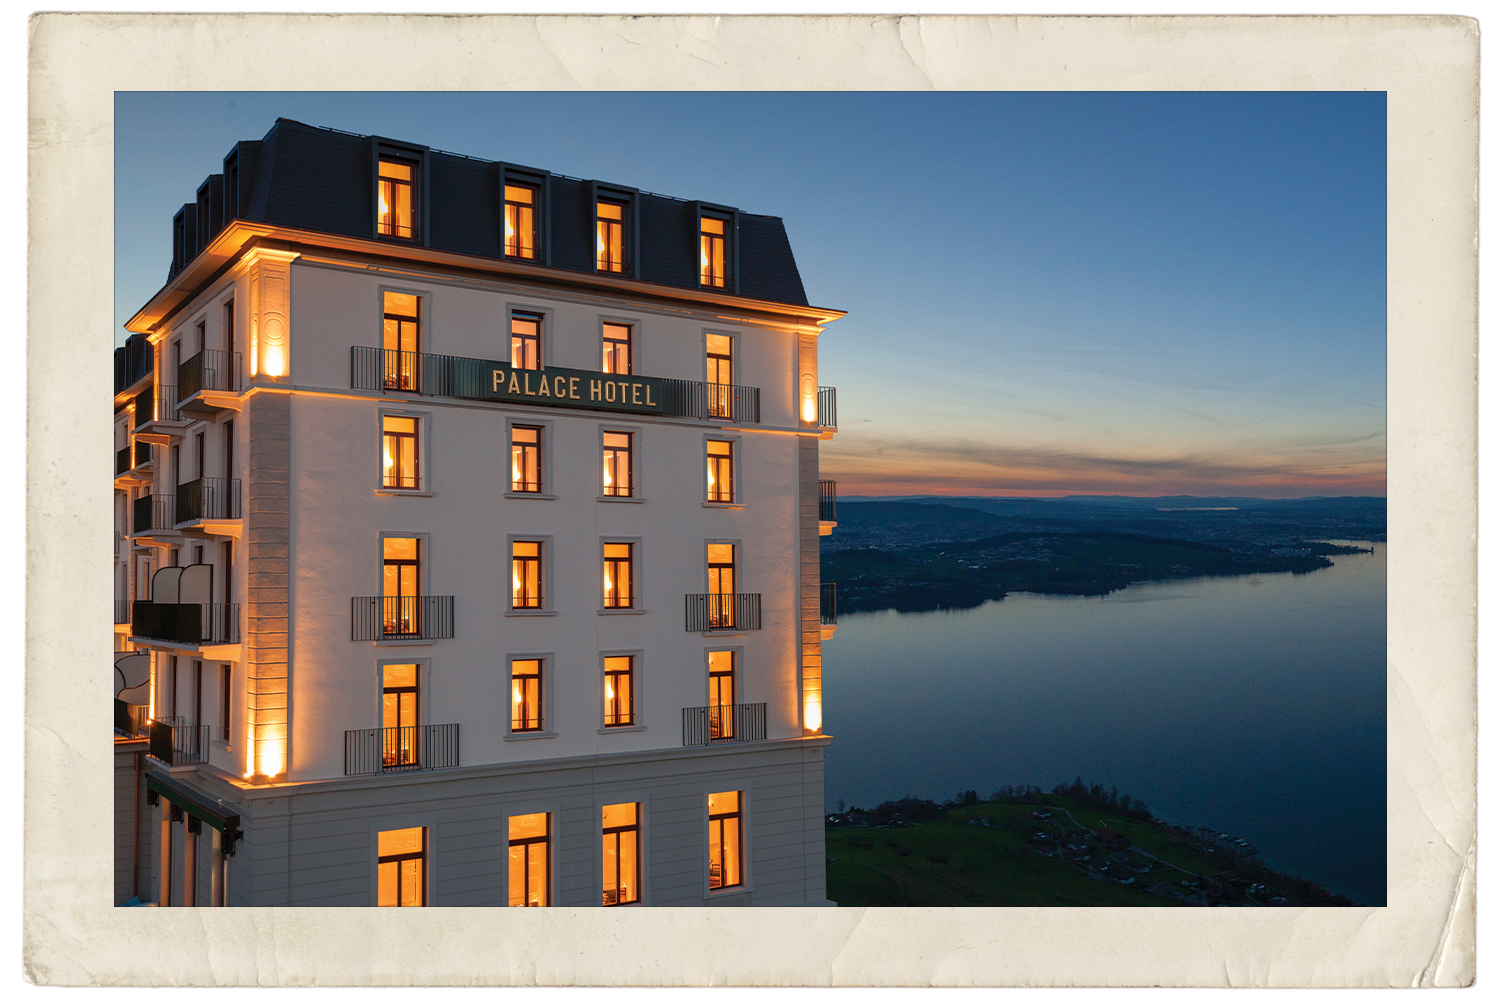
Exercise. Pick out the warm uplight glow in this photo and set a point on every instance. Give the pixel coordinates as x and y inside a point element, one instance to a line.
<point>809,409</point>
<point>271,757</point>
<point>812,711</point>
<point>275,363</point>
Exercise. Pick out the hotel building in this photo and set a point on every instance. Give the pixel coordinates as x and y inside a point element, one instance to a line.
<point>467,543</point>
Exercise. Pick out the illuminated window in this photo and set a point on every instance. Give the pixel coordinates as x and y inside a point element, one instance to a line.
<point>618,478</point>
<point>526,575</point>
<point>711,257</point>
<point>720,351</point>
<point>400,595</point>
<point>724,841</point>
<point>397,212</point>
<point>619,691</point>
<point>399,469</point>
<point>403,867</point>
<point>619,578</point>
<point>721,694</point>
<point>529,861</point>
<point>622,854</point>
<point>399,716</point>
<point>525,696</point>
<point>617,355</point>
<point>525,459</point>
<point>525,341</point>
<point>721,471</point>
<point>402,336</point>
<point>721,603</point>
<point>520,221</point>
<point>609,233</point>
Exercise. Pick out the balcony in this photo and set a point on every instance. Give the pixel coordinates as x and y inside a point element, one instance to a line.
<point>381,370</point>
<point>723,612</point>
<point>186,624</point>
<point>407,748</point>
<point>130,720</point>
<point>828,506</point>
<point>828,409</point>
<point>177,744</point>
<point>162,422</point>
<point>828,603</point>
<point>377,619</point>
<point>208,383</point>
<point>708,724</point>
<point>208,500</point>
<point>129,473</point>
<point>154,515</point>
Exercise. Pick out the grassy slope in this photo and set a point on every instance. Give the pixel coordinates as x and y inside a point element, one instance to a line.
<point>947,862</point>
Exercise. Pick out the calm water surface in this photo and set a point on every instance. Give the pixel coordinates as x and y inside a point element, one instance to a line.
<point>1254,705</point>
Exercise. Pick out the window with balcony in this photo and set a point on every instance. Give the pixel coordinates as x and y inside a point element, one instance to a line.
<point>719,349</point>
<point>622,854</point>
<point>721,694</point>
<point>400,715</point>
<point>530,862</point>
<point>720,471</point>
<point>400,468</point>
<point>525,340</point>
<point>525,459</point>
<point>520,221</point>
<point>402,861</point>
<point>617,349</point>
<point>525,575</point>
<point>609,236</point>
<point>725,841</point>
<point>712,256</point>
<point>721,603</point>
<point>619,575</point>
<point>526,696</point>
<point>402,341</point>
<point>619,691</point>
<point>396,211</point>
<point>400,590</point>
<point>619,477</point>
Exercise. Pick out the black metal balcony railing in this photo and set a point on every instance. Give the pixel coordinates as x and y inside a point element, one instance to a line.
<point>130,720</point>
<point>154,513</point>
<point>470,378</point>
<point>828,500</point>
<point>195,624</point>
<point>166,402</point>
<point>174,743</point>
<point>122,461</point>
<point>145,407</point>
<point>705,724</point>
<point>208,498</point>
<point>142,453</point>
<point>407,748</point>
<point>723,612</point>
<point>828,409</point>
<point>424,617</point>
<point>122,612</point>
<point>215,370</point>
<point>828,603</point>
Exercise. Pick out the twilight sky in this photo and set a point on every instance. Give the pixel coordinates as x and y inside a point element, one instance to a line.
<point>1048,293</point>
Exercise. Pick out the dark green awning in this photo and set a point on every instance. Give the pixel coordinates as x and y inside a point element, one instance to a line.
<point>215,812</point>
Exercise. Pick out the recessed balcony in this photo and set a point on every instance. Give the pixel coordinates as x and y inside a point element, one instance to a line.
<point>704,725</point>
<point>723,612</point>
<point>154,520</point>
<point>177,744</point>
<point>161,424</point>
<point>208,506</point>
<point>209,383</point>
<point>133,465</point>
<point>403,748</point>
<point>185,624</point>
<point>394,619</point>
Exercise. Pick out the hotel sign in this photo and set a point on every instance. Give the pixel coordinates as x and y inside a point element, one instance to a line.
<point>576,387</point>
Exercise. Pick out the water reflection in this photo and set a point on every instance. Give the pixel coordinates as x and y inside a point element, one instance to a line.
<point>1254,705</point>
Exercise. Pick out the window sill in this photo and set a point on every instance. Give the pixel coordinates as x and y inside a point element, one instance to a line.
<point>530,613</point>
<point>545,735</point>
<point>622,611</point>
<point>402,642</point>
<point>734,890</point>
<point>382,492</point>
<point>528,495</point>
<point>725,506</point>
<point>622,729</point>
<point>620,500</point>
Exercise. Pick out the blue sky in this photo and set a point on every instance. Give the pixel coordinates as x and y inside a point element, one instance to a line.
<point>1048,293</point>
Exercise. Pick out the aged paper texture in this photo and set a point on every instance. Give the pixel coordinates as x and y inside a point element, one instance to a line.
<point>1425,936</point>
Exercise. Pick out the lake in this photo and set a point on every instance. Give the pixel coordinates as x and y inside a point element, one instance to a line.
<point>1254,705</point>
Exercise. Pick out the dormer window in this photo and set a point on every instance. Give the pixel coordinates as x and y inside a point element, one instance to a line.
<point>609,231</point>
<point>397,208</point>
<point>520,221</point>
<point>712,255</point>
